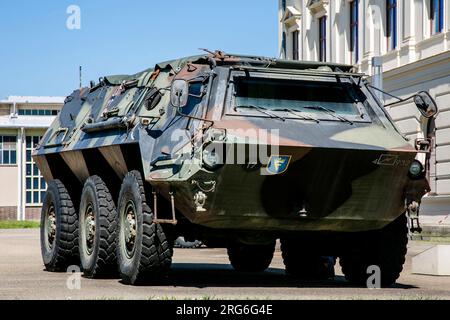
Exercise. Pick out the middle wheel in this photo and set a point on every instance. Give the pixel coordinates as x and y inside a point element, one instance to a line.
<point>98,224</point>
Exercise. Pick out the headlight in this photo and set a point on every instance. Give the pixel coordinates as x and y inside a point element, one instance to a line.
<point>416,169</point>
<point>211,159</point>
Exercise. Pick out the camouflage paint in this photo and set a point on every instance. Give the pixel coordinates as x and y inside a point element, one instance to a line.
<point>335,180</point>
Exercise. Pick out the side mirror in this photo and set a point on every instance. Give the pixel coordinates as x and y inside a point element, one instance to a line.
<point>179,93</point>
<point>426,104</point>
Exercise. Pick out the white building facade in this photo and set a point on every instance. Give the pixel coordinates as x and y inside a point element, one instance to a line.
<point>23,121</point>
<point>412,38</point>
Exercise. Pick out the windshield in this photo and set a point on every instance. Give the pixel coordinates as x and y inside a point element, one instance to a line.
<point>297,95</point>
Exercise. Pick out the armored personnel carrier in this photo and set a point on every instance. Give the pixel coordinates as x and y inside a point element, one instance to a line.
<point>235,151</point>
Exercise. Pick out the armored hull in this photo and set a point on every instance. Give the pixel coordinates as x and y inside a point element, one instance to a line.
<point>242,149</point>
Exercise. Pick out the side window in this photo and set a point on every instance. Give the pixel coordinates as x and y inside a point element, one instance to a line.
<point>391,24</point>
<point>437,16</point>
<point>8,153</point>
<point>295,47</point>
<point>354,34</point>
<point>35,183</point>
<point>36,112</point>
<point>195,97</point>
<point>323,39</point>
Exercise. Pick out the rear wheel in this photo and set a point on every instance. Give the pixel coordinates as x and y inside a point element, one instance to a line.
<point>385,249</point>
<point>59,229</point>
<point>143,250</point>
<point>250,258</point>
<point>98,224</point>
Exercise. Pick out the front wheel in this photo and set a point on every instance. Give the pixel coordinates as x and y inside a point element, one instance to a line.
<point>143,251</point>
<point>59,229</point>
<point>384,249</point>
<point>250,258</point>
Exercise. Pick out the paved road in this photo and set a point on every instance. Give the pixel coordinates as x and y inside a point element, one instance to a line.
<point>196,274</point>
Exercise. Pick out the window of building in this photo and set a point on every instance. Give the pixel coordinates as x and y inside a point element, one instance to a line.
<point>437,16</point>
<point>283,5</point>
<point>295,36</point>
<point>37,112</point>
<point>391,23</point>
<point>323,38</point>
<point>354,33</point>
<point>35,185</point>
<point>8,150</point>
<point>283,46</point>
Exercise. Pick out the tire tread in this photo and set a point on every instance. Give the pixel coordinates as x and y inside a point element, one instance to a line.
<point>106,262</point>
<point>66,253</point>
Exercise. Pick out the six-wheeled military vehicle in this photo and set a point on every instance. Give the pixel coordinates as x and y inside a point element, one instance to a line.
<point>235,151</point>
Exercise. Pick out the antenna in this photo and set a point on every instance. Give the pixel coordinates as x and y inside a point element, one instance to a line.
<point>81,82</point>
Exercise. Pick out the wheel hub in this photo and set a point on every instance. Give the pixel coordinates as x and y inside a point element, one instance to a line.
<point>130,228</point>
<point>89,228</point>
<point>51,226</point>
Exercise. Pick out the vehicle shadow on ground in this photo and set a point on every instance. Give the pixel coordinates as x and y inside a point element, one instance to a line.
<point>223,275</point>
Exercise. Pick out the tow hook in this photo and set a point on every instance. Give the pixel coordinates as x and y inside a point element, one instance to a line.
<point>413,219</point>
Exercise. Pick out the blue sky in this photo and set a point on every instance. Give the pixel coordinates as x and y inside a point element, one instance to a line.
<point>40,56</point>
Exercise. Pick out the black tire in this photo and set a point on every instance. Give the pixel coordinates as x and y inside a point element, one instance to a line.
<point>304,262</point>
<point>180,242</point>
<point>59,247</point>
<point>147,255</point>
<point>97,251</point>
<point>385,248</point>
<point>250,258</point>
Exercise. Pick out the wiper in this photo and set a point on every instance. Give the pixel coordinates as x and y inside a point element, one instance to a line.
<point>262,110</point>
<point>298,115</point>
<point>331,112</point>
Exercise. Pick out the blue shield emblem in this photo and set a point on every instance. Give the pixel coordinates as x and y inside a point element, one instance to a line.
<point>278,164</point>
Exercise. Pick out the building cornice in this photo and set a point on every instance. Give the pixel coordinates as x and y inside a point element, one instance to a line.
<point>27,122</point>
<point>428,69</point>
<point>33,100</point>
<point>413,66</point>
<point>318,8</point>
<point>291,18</point>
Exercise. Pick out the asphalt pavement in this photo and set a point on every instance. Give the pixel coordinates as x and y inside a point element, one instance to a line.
<point>196,274</point>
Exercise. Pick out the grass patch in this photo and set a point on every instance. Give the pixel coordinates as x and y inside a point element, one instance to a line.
<point>433,240</point>
<point>11,224</point>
